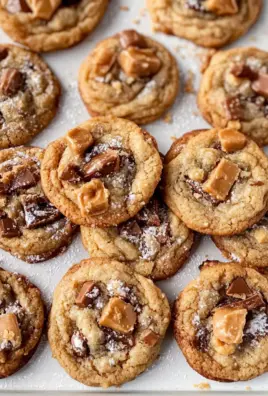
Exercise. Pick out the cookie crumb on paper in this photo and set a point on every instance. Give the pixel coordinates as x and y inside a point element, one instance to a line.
<point>203,386</point>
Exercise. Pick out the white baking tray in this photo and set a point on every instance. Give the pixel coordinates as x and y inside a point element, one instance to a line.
<point>170,372</point>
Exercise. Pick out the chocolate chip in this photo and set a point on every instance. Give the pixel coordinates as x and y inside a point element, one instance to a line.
<point>38,211</point>
<point>15,6</point>
<point>71,173</point>
<point>11,81</point>
<point>131,38</point>
<point>79,344</point>
<point>3,53</point>
<point>239,288</point>
<point>233,108</point>
<point>202,339</point>
<point>25,179</point>
<point>102,165</point>
<point>8,228</point>
<point>261,85</point>
<point>243,71</point>
<point>68,3</point>
<point>253,302</point>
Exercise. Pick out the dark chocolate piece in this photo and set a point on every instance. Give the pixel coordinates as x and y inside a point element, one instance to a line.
<point>241,70</point>
<point>79,344</point>
<point>71,174</point>
<point>8,228</point>
<point>239,287</point>
<point>3,53</point>
<point>131,38</point>
<point>23,180</point>
<point>260,86</point>
<point>102,165</point>
<point>88,293</point>
<point>38,211</point>
<point>11,81</point>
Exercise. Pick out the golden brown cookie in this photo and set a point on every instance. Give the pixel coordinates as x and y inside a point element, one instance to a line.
<point>210,23</point>
<point>221,322</point>
<point>129,75</point>
<point>155,242</point>
<point>48,25</point>
<point>31,228</point>
<point>106,323</point>
<point>21,321</point>
<point>29,95</point>
<point>216,181</point>
<point>234,92</point>
<point>102,172</point>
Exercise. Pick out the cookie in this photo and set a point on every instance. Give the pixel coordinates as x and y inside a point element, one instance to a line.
<point>250,248</point>
<point>102,172</point>
<point>216,181</point>
<point>29,95</point>
<point>107,322</point>
<point>131,76</point>
<point>234,92</point>
<point>48,25</point>
<point>155,242</point>
<point>21,321</point>
<point>209,23</point>
<point>31,228</point>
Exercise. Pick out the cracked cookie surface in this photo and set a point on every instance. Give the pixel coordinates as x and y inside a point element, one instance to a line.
<point>29,95</point>
<point>107,322</point>
<point>221,322</point>
<point>155,243</point>
<point>234,92</point>
<point>215,181</point>
<point>21,321</point>
<point>209,23</point>
<point>47,25</point>
<point>31,228</point>
<point>102,172</point>
<point>129,75</point>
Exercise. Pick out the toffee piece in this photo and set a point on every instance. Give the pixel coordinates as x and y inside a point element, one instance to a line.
<point>107,322</point>
<point>221,322</point>
<point>31,228</point>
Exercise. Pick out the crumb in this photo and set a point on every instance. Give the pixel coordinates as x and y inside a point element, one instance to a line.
<point>189,83</point>
<point>202,386</point>
<point>167,118</point>
<point>195,113</point>
<point>142,12</point>
<point>124,8</point>
<point>248,388</point>
<point>173,138</point>
<point>136,21</point>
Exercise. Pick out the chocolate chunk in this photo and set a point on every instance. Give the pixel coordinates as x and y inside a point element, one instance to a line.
<point>79,344</point>
<point>68,3</point>
<point>3,214</point>
<point>115,341</point>
<point>197,188</point>
<point>129,229</point>
<point>239,288</point>
<point>102,165</point>
<point>4,188</point>
<point>131,38</point>
<point>25,179</point>
<point>241,70</point>
<point>3,53</point>
<point>15,6</point>
<point>233,108</point>
<point>202,339</point>
<point>88,293</point>
<point>8,228</point>
<point>252,302</point>
<point>261,85</point>
<point>149,215</point>
<point>38,211</point>
<point>71,174</point>
<point>11,81</point>
<point>150,338</point>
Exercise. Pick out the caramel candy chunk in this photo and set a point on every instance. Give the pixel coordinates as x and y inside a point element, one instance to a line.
<point>23,180</point>
<point>38,211</point>
<point>222,7</point>
<point>93,197</point>
<point>79,139</point>
<point>79,344</point>
<point>239,288</point>
<point>71,173</point>
<point>261,235</point>
<point>137,62</point>
<point>43,9</point>
<point>221,179</point>
<point>8,228</point>
<point>11,81</point>
<point>150,338</point>
<point>222,348</point>
<point>9,330</point>
<point>118,315</point>
<point>231,140</point>
<point>15,6</point>
<point>104,59</point>
<point>87,294</point>
<point>260,86</point>
<point>131,38</point>
<point>233,108</point>
<point>101,165</point>
<point>242,70</point>
<point>3,53</point>
<point>228,324</point>
<point>252,302</point>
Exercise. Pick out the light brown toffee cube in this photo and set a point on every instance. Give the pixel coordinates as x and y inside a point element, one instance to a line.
<point>221,179</point>
<point>93,197</point>
<point>43,9</point>
<point>231,140</point>
<point>79,139</point>
<point>228,324</point>
<point>82,299</point>
<point>137,62</point>
<point>9,330</point>
<point>222,7</point>
<point>118,315</point>
<point>150,338</point>
<point>104,58</point>
<point>261,235</point>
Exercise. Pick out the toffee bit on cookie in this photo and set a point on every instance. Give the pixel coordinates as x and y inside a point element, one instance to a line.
<point>10,333</point>
<point>222,7</point>
<point>131,38</point>
<point>203,386</point>
<point>118,315</point>
<point>150,338</point>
